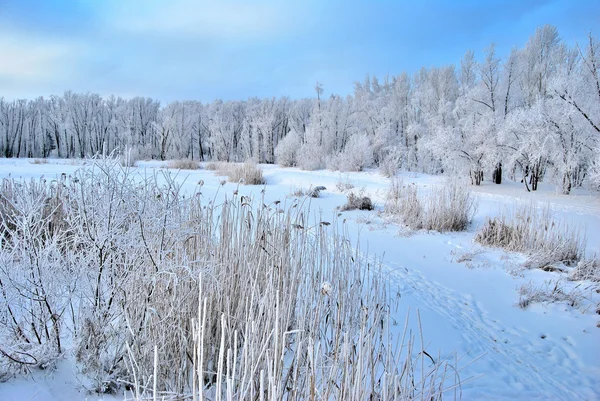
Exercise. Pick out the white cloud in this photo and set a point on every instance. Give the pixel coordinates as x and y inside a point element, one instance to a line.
<point>30,59</point>
<point>211,20</point>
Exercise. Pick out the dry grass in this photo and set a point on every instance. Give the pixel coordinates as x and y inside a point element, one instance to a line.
<point>39,161</point>
<point>214,166</point>
<point>310,192</point>
<point>247,173</point>
<point>586,269</point>
<point>344,185</point>
<point>357,201</point>
<point>449,207</point>
<point>179,299</point>
<point>183,164</point>
<point>534,232</point>
<point>549,292</point>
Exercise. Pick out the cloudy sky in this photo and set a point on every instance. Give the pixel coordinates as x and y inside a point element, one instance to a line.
<point>204,50</point>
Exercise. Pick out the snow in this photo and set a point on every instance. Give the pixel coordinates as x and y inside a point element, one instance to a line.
<point>465,294</point>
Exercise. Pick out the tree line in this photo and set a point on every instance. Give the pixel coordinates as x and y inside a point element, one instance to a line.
<point>531,116</point>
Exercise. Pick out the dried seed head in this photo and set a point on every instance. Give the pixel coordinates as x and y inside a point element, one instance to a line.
<point>326,288</point>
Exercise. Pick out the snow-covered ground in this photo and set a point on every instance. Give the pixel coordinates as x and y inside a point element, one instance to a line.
<point>466,294</point>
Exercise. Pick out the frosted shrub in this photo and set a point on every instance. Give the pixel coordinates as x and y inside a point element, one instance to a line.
<point>357,154</point>
<point>594,172</point>
<point>130,155</point>
<point>390,165</point>
<point>535,233</point>
<point>287,149</point>
<point>311,157</point>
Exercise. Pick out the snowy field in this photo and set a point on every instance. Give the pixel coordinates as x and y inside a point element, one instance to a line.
<point>466,294</point>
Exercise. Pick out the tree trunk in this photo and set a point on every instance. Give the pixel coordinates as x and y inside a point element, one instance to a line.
<point>497,174</point>
<point>476,177</point>
<point>567,183</point>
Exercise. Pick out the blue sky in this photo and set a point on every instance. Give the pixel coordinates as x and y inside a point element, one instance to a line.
<point>204,50</point>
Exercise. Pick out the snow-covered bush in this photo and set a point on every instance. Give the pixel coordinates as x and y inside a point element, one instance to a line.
<point>390,165</point>
<point>287,150</point>
<point>311,154</point>
<point>130,155</point>
<point>594,172</point>
<point>357,154</point>
<point>535,233</point>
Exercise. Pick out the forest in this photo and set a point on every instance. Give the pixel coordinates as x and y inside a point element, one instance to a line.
<point>531,116</point>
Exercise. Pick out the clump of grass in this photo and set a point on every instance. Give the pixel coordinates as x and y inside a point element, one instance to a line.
<point>183,164</point>
<point>535,233</point>
<point>357,201</point>
<point>449,207</point>
<point>311,192</point>
<point>586,269</point>
<point>316,191</point>
<point>214,166</point>
<point>247,173</point>
<point>39,161</point>
<point>344,185</point>
<point>550,291</point>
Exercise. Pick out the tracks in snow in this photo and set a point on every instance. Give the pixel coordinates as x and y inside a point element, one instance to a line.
<point>528,370</point>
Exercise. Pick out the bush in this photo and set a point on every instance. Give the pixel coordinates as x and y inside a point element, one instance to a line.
<point>534,233</point>
<point>184,164</point>
<point>357,154</point>
<point>390,165</point>
<point>130,156</point>
<point>358,201</point>
<point>449,207</point>
<point>287,149</point>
